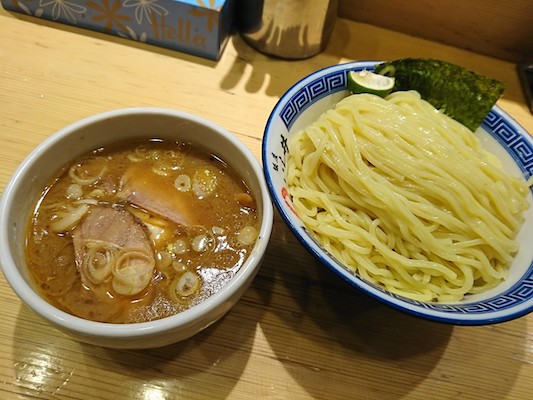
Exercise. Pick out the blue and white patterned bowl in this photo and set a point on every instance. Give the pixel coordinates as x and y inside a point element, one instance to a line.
<point>311,96</point>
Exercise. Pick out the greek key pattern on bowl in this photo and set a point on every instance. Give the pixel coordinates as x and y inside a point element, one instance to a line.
<point>310,93</point>
<point>511,298</point>
<point>517,145</point>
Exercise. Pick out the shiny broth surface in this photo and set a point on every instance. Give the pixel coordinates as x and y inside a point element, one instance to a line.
<point>140,231</point>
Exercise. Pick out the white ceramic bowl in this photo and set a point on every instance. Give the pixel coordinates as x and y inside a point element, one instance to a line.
<point>306,100</point>
<point>33,173</point>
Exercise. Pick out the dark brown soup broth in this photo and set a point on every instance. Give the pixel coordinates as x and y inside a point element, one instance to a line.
<point>140,231</point>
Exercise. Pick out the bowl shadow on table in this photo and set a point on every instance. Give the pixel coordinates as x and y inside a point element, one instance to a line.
<point>271,74</point>
<point>207,365</point>
<point>349,331</point>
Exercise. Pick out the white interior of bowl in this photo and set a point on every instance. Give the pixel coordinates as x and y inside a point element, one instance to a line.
<point>522,260</point>
<point>301,105</point>
<point>35,171</point>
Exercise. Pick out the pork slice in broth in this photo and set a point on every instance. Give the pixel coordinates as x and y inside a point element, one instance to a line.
<point>113,225</point>
<point>151,192</point>
<point>110,245</point>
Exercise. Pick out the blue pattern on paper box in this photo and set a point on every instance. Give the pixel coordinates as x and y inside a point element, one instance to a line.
<point>199,27</point>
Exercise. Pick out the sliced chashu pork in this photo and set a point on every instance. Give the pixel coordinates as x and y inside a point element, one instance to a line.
<point>151,192</point>
<point>111,245</point>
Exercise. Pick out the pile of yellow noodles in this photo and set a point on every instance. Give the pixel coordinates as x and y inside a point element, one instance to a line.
<point>406,197</point>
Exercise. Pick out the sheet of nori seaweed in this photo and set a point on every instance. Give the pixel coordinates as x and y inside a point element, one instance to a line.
<point>462,94</point>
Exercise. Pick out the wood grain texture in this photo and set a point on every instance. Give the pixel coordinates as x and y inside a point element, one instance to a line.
<point>299,332</point>
<point>502,29</point>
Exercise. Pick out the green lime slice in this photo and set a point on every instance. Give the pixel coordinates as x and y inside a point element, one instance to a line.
<point>368,82</point>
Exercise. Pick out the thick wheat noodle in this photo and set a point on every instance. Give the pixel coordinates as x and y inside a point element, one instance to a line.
<point>406,197</point>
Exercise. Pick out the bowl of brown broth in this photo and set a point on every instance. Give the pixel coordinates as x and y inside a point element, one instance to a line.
<point>135,228</point>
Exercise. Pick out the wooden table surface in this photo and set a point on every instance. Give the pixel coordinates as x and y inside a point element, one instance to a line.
<point>298,332</point>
